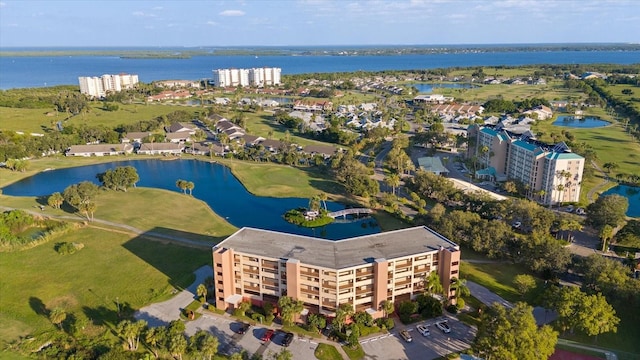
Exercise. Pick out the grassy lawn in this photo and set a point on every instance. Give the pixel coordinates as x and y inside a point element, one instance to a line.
<point>327,352</point>
<point>37,121</point>
<point>301,331</point>
<point>267,179</point>
<point>498,277</point>
<point>189,217</point>
<point>354,354</point>
<point>111,269</point>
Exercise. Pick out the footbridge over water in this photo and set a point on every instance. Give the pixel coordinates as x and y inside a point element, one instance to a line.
<point>353,211</point>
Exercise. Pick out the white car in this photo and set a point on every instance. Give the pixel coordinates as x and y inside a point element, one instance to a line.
<point>442,325</point>
<point>580,211</point>
<point>422,329</point>
<point>516,225</point>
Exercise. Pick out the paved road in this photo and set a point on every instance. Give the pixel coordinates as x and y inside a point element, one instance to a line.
<point>163,313</point>
<point>485,296</point>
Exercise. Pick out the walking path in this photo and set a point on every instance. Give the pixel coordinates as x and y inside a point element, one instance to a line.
<point>599,186</point>
<point>487,297</point>
<point>129,229</point>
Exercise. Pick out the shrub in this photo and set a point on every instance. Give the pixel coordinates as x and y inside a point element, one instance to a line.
<point>460,304</point>
<point>387,323</point>
<point>65,248</point>
<point>269,319</point>
<point>452,309</point>
<point>258,317</point>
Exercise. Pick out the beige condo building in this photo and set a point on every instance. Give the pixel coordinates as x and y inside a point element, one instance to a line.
<point>552,173</point>
<point>261,266</point>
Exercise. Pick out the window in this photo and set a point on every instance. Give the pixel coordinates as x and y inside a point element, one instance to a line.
<point>455,263</point>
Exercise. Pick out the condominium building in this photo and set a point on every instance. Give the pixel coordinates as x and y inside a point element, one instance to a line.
<point>99,87</point>
<point>258,77</point>
<point>551,173</point>
<point>261,266</point>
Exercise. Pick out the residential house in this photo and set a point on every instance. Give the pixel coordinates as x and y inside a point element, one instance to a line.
<point>99,150</point>
<point>161,148</point>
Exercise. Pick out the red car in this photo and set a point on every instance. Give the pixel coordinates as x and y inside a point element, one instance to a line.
<point>267,335</point>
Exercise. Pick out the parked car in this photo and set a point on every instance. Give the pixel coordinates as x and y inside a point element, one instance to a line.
<point>244,327</point>
<point>569,208</point>
<point>288,338</point>
<point>442,325</point>
<point>580,211</point>
<point>422,329</point>
<point>406,336</point>
<point>267,335</point>
<point>516,225</point>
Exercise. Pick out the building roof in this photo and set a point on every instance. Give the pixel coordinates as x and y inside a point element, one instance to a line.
<point>432,164</point>
<point>336,254</point>
<point>99,148</point>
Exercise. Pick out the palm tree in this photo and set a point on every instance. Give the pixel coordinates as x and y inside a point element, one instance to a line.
<point>323,199</point>
<point>189,186</point>
<point>432,284</point>
<point>182,185</point>
<point>201,291</point>
<point>387,307</point>
<point>393,180</point>
<point>57,317</point>
<point>460,287</point>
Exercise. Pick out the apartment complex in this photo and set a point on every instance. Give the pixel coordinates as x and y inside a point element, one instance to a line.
<point>99,87</point>
<point>258,77</point>
<point>552,173</point>
<point>260,265</point>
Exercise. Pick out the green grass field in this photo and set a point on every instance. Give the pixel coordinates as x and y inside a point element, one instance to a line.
<point>112,268</point>
<point>37,120</point>
<point>611,143</point>
<point>267,179</point>
<point>327,352</point>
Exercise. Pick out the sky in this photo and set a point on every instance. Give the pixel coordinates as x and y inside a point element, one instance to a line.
<point>193,23</point>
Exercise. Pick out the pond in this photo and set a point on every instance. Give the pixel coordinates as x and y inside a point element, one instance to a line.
<point>427,88</point>
<point>214,184</point>
<point>580,121</point>
<point>630,192</point>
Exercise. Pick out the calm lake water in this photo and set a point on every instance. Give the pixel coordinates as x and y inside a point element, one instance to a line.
<point>630,192</point>
<point>21,72</point>
<point>214,184</point>
<point>427,88</point>
<point>580,122</point>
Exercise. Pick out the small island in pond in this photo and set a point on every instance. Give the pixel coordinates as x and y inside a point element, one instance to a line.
<point>313,216</point>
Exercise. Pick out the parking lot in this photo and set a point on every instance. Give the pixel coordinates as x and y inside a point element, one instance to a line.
<point>437,344</point>
<point>225,329</point>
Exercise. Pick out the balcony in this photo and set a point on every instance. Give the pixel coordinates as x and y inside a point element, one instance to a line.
<point>347,285</point>
<point>329,285</point>
<point>403,282</point>
<point>250,287</point>
<point>250,270</point>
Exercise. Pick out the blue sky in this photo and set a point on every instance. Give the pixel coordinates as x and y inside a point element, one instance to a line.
<point>315,22</point>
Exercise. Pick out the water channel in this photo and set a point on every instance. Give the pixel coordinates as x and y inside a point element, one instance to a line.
<point>214,184</point>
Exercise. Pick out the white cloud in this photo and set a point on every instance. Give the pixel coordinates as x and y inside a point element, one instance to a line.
<point>142,14</point>
<point>212,23</point>
<point>3,4</point>
<point>231,13</point>
<point>158,8</point>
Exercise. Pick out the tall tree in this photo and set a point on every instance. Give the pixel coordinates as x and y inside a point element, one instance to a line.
<point>182,185</point>
<point>190,186</point>
<point>512,334</point>
<point>607,210</point>
<point>55,200</point>
<point>598,316</point>
<point>289,308</point>
<point>387,307</point>
<point>130,332</point>
<point>57,316</point>
<point>524,283</point>
<point>203,344</point>
<point>81,196</point>
<point>432,284</point>
<point>392,180</point>
<point>201,291</point>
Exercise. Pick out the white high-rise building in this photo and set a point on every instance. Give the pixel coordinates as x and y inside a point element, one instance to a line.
<point>100,86</point>
<point>246,77</point>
